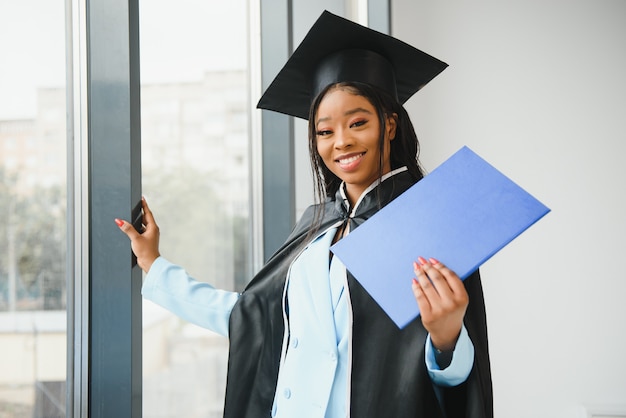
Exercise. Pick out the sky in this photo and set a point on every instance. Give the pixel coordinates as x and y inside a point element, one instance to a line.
<point>31,53</point>
<point>176,44</point>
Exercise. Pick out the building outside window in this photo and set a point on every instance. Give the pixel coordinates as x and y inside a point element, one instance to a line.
<point>195,105</point>
<point>195,176</point>
<point>33,206</point>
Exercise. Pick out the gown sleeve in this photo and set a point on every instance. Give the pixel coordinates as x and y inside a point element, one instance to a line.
<point>171,287</point>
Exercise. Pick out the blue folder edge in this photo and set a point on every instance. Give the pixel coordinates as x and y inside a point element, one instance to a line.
<point>462,213</point>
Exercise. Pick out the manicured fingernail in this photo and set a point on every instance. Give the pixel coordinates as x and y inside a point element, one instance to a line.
<point>416,266</point>
<point>421,260</point>
<point>433,261</point>
<point>119,222</point>
<point>415,282</point>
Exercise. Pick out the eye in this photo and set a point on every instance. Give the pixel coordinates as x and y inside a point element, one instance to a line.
<point>358,123</point>
<point>324,132</point>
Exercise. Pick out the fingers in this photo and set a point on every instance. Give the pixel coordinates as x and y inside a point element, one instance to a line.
<point>147,213</point>
<point>436,288</point>
<point>422,300</point>
<point>127,228</point>
<point>442,301</point>
<point>148,224</point>
<point>454,282</point>
<point>144,245</point>
<point>432,279</point>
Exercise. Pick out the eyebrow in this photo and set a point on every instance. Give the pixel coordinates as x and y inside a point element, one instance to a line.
<point>346,113</point>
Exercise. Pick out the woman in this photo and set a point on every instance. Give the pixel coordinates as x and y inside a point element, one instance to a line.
<point>305,338</point>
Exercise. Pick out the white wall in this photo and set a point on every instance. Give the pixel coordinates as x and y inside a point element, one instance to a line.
<point>538,89</point>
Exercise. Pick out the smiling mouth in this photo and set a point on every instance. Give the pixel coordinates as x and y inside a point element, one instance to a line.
<point>351,159</point>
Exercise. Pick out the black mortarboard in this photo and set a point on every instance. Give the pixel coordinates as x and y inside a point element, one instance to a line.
<point>336,49</point>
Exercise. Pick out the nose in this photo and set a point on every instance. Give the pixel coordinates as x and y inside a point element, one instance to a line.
<point>343,139</point>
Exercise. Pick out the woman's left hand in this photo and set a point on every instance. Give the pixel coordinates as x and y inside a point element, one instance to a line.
<point>442,301</point>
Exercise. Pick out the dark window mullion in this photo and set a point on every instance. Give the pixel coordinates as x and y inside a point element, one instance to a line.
<point>277,131</point>
<point>114,188</point>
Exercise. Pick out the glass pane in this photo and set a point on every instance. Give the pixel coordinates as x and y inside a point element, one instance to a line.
<point>32,203</point>
<point>195,157</point>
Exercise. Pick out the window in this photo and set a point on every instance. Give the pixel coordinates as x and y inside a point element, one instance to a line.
<point>195,175</point>
<point>32,197</point>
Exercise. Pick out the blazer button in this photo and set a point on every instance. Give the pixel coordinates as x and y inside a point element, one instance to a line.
<point>287,393</point>
<point>294,343</point>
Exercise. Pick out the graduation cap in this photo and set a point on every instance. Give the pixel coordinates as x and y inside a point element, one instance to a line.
<point>335,50</point>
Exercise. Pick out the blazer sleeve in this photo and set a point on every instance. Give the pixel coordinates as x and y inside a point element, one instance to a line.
<point>459,368</point>
<point>169,286</point>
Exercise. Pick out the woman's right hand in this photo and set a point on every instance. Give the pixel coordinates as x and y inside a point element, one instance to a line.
<point>144,245</point>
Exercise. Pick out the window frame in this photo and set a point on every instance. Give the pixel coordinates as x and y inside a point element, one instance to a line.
<point>104,182</point>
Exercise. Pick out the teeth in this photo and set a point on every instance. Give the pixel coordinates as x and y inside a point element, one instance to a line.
<point>349,160</point>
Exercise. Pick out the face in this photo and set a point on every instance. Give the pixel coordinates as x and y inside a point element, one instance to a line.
<point>347,139</point>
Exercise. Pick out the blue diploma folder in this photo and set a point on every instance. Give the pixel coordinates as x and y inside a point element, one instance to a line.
<point>461,214</point>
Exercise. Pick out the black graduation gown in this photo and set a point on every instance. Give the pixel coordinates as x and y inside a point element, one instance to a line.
<point>389,375</point>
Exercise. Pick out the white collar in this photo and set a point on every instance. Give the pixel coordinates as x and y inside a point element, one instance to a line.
<point>342,188</point>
